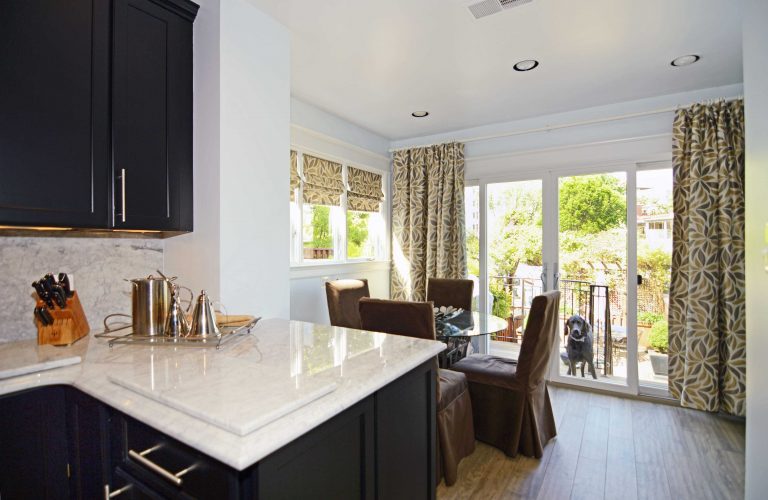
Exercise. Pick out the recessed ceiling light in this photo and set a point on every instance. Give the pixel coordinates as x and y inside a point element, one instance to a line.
<point>685,60</point>
<point>526,65</point>
<point>420,114</point>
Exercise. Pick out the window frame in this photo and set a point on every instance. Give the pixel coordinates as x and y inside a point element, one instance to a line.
<point>340,247</point>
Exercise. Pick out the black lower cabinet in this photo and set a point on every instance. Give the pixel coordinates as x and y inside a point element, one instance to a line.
<point>57,442</point>
<point>336,460</point>
<point>33,445</point>
<point>87,425</point>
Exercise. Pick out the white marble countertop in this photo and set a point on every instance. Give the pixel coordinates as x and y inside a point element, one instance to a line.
<point>277,354</point>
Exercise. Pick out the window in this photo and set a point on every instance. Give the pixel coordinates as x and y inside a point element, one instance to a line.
<point>336,211</point>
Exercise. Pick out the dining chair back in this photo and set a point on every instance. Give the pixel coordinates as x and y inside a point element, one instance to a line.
<point>450,292</point>
<point>455,429</point>
<point>343,297</point>
<point>510,400</point>
<point>412,319</point>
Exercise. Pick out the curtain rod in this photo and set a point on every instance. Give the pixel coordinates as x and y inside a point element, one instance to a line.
<point>549,128</point>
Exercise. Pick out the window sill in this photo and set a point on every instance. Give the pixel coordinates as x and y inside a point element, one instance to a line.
<point>313,269</point>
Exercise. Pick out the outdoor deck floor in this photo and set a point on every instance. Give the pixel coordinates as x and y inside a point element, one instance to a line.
<point>614,448</point>
<point>645,370</point>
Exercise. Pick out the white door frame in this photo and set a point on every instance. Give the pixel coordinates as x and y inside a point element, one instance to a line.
<point>552,234</point>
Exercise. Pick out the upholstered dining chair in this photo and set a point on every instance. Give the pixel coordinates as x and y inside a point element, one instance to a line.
<point>510,401</point>
<point>343,296</point>
<point>455,434</point>
<point>450,292</point>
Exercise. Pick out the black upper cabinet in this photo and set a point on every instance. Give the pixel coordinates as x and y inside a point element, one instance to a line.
<point>54,121</point>
<point>151,117</point>
<point>96,121</point>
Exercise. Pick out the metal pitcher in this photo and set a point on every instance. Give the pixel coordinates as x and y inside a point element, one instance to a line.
<point>204,318</point>
<point>150,304</point>
<point>176,324</point>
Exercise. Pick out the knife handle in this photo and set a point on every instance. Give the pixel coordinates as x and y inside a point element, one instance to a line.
<point>65,284</point>
<point>59,296</point>
<point>47,315</point>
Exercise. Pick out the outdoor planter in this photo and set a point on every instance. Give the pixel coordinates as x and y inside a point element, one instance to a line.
<point>659,362</point>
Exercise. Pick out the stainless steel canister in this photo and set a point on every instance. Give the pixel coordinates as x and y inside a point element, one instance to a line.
<point>150,305</point>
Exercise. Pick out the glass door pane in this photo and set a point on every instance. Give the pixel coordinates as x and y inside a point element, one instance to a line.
<point>593,274</point>
<point>472,230</point>
<point>654,261</point>
<point>514,239</point>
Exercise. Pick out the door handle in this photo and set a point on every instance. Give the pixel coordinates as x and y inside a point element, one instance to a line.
<point>149,464</point>
<point>544,277</point>
<point>122,191</point>
<point>112,494</point>
<point>557,274</point>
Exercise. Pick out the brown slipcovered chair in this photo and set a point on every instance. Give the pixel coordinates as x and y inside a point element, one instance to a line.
<point>455,434</point>
<point>510,401</point>
<point>448,292</point>
<point>343,296</point>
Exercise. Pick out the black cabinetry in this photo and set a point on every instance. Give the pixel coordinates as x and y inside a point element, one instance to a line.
<point>57,442</point>
<point>33,445</point>
<point>96,128</point>
<point>54,112</point>
<point>152,116</point>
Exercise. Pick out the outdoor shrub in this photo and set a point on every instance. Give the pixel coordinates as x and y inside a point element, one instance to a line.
<point>502,301</point>
<point>650,317</point>
<point>659,339</point>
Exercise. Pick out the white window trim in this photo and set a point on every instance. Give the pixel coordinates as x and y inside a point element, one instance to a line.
<point>339,230</point>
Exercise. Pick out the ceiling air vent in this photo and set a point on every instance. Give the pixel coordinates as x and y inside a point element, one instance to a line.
<point>488,7</point>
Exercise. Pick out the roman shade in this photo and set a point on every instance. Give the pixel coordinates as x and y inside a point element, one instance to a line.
<point>323,182</point>
<point>364,192</point>
<point>295,179</point>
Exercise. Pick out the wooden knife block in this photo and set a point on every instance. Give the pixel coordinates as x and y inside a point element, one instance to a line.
<point>69,325</point>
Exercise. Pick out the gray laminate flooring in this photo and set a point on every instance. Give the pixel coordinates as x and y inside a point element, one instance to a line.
<point>614,448</point>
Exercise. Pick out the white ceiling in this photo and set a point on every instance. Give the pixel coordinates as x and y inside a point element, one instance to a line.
<point>374,62</point>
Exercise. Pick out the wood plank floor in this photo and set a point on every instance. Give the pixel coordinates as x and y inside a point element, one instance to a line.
<point>614,448</point>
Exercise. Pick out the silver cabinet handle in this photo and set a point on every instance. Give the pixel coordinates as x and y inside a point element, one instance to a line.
<point>122,190</point>
<point>113,494</point>
<point>143,460</point>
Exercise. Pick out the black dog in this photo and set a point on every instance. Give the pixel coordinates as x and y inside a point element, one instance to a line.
<point>579,348</point>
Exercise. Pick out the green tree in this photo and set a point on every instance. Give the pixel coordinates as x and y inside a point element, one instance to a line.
<point>357,233</point>
<point>517,238</point>
<point>321,227</point>
<point>473,255</point>
<point>590,204</point>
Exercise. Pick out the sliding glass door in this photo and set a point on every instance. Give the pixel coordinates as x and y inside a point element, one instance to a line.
<point>592,256</point>
<point>514,266</point>
<point>600,236</point>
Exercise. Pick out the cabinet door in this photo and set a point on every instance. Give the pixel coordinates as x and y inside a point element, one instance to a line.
<point>54,98</point>
<point>334,460</point>
<point>33,445</point>
<point>152,117</point>
<point>87,426</point>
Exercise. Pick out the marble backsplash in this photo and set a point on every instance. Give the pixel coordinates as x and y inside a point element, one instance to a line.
<point>98,265</point>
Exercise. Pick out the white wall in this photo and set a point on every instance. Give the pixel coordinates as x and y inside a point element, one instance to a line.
<point>255,144</point>
<point>642,138</point>
<point>195,257</point>
<point>323,133</point>
<point>239,250</point>
<point>756,103</point>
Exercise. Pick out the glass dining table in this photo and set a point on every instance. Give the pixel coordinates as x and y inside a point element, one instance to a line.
<point>458,332</point>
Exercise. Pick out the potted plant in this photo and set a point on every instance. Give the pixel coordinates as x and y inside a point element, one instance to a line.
<point>658,341</point>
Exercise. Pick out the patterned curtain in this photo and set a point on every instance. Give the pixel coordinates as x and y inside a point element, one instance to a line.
<point>295,179</point>
<point>427,218</point>
<point>707,330</point>
<point>323,181</point>
<point>365,193</point>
